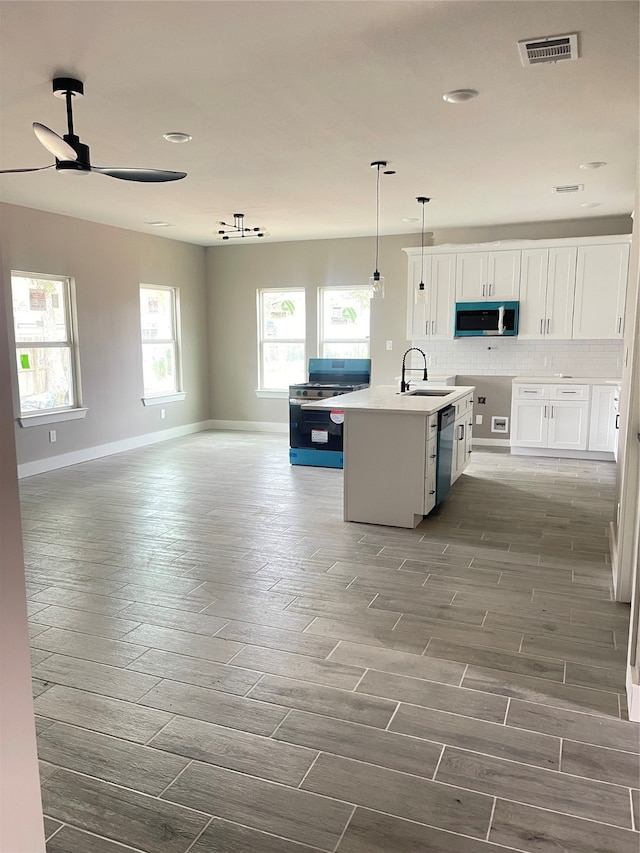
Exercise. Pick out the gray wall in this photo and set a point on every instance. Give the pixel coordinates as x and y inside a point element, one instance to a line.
<point>234,273</point>
<point>496,391</point>
<point>108,265</point>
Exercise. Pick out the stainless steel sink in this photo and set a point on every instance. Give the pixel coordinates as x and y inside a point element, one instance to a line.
<point>426,392</point>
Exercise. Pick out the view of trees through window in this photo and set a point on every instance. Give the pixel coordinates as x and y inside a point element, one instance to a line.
<point>159,340</point>
<point>282,338</point>
<point>44,342</point>
<point>344,322</point>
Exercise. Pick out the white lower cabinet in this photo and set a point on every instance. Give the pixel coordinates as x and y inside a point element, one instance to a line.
<point>462,437</point>
<point>603,433</point>
<point>563,417</point>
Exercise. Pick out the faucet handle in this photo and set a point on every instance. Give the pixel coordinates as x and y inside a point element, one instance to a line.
<point>407,384</point>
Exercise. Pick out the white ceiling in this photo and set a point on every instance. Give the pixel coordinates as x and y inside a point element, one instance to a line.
<point>289,102</point>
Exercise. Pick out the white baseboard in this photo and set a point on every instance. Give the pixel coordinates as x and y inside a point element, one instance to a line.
<point>39,466</point>
<point>250,426</point>
<point>594,455</point>
<point>633,695</point>
<point>491,442</point>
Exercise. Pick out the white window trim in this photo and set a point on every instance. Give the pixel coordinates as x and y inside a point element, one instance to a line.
<point>272,394</point>
<point>321,339</point>
<point>77,411</point>
<point>275,393</point>
<point>178,395</point>
<point>161,399</point>
<point>52,417</point>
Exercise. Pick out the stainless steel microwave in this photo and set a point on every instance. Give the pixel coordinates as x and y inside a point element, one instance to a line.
<point>475,319</point>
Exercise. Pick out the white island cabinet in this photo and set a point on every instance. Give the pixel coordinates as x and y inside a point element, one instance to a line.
<point>391,451</point>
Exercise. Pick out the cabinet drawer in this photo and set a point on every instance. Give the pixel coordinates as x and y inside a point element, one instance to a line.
<point>429,492</point>
<point>531,392</point>
<point>432,426</point>
<point>569,392</point>
<point>432,456</point>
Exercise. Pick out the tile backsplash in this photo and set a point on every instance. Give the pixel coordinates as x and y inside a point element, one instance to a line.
<point>514,357</point>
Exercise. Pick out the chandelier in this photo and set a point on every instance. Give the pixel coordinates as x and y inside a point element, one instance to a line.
<point>238,229</point>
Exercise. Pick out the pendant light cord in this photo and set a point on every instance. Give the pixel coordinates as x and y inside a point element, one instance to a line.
<point>422,250</point>
<point>377,214</point>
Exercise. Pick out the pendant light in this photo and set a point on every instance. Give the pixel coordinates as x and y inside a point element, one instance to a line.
<point>376,282</point>
<point>421,294</point>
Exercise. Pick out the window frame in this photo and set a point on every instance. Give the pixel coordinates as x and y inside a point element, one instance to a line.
<point>70,343</point>
<point>322,340</point>
<point>178,394</point>
<point>261,391</point>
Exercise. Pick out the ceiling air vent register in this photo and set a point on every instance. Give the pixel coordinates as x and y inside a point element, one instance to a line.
<point>548,49</point>
<point>568,188</point>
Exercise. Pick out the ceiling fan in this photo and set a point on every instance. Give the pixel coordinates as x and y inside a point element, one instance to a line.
<point>73,156</point>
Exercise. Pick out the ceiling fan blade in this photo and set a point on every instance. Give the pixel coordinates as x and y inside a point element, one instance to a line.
<point>37,169</point>
<point>53,143</point>
<point>144,175</point>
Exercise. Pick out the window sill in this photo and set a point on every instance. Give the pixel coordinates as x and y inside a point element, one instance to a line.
<point>272,395</point>
<point>43,418</point>
<point>161,399</point>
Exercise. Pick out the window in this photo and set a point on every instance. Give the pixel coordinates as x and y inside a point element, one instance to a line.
<point>344,322</point>
<point>282,327</point>
<point>160,341</point>
<point>45,343</point>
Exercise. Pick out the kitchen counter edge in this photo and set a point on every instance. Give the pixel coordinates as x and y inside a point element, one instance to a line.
<point>385,398</point>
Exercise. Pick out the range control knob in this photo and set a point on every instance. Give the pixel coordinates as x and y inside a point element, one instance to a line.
<point>336,393</point>
<point>320,393</point>
<point>305,392</point>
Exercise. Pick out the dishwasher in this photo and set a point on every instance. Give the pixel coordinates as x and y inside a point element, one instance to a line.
<point>446,434</point>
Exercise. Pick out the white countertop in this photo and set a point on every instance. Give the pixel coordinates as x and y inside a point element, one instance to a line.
<point>385,398</point>
<point>567,380</point>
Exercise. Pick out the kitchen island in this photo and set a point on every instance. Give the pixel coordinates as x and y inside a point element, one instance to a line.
<point>391,449</point>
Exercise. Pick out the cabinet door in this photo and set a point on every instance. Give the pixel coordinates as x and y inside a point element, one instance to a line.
<point>533,292</point>
<point>561,288</point>
<point>441,296</point>
<point>471,276</point>
<point>459,448</point>
<point>602,421</point>
<point>529,423</point>
<point>601,284</point>
<point>503,276</point>
<point>568,424</point>
<point>418,311</point>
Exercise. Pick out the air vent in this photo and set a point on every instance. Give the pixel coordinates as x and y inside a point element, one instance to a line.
<point>569,188</point>
<point>548,49</point>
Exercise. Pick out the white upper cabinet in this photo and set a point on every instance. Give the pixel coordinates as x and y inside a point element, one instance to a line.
<point>547,288</point>
<point>488,276</point>
<point>432,316</point>
<point>601,284</point>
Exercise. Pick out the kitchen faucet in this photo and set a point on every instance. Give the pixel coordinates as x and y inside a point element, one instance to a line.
<point>404,386</point>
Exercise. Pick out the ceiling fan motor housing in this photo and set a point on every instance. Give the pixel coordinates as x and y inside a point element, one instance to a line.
<point>82,164</point>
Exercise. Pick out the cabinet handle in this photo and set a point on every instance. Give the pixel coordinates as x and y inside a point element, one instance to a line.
<point>529,392</point>
<point>426,328</point>
<point>548,326</point>
<point>484,289</point>
<point>545,412</point>
<point>461,432</point>
<point>541,327</point>
<point>552,408</point>
<point>433,456</point>
<point>490,289</point>
<point>433,327</point>
<point>568,392</point>
<point>619,324</point>
<point>617,426</point>
<point>432,492</point>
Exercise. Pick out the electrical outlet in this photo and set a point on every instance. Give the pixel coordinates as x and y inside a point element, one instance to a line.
<point>52,436</point>
<point>478,419</point>
<point>389,344</point>
<point>163,414</point>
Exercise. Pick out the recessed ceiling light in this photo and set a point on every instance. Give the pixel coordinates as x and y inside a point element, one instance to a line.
<point>460,96</point>
<point>597,164</point>
<point>177,137</point>
<point>410,219</point>
<point>157,223</point>
<point>591,204</point>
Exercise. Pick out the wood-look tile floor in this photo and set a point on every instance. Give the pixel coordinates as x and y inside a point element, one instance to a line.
<point>222,665</point>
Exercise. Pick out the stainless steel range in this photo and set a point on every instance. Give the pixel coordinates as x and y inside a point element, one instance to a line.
<point>315,437</point>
